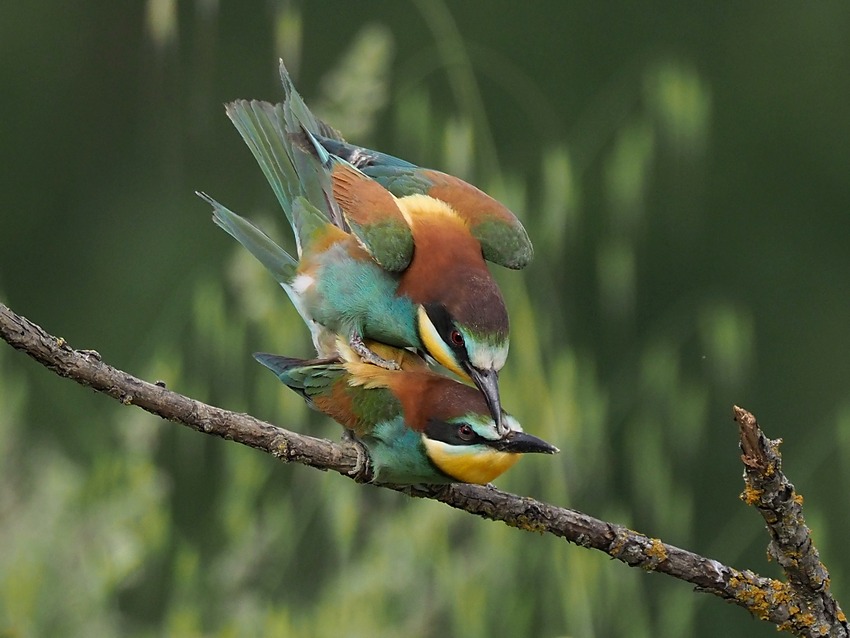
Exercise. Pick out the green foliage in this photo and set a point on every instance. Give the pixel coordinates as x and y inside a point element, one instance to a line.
<point>114,523</point>
<point>74,537</point>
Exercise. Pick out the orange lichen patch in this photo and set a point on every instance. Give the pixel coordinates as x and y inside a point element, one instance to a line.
<point>840,615</point>
<point>619,543</point>
<point>656,553</point>
<point>781,592</point>
<point>798,499</point>
<point>807,619</point>
<point>529,525</point>
<point>756,601</point>
<point>759,599</point>
<point>751,495</point>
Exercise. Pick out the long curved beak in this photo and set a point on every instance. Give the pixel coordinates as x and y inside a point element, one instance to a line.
<point>488,382</point>
<point>523,443</point>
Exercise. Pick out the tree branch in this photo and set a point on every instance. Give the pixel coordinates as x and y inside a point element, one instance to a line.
<point>768,489</point>
<point>803,606</point>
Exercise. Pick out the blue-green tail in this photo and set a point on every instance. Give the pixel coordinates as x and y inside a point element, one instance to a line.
<point>276,135</point>
<point>309,378</point>
<point>276,260</point>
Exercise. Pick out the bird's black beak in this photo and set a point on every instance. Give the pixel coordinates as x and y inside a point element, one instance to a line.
<point>523,443</point>
<point>488,382</point>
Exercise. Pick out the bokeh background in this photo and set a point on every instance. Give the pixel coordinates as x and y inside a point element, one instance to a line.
<point>683,171</point>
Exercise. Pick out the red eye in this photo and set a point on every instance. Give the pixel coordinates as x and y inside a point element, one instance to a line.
<point>456,338</point>
<point>466,432</point>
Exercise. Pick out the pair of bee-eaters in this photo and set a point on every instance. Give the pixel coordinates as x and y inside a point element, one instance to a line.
<point>391,267</point>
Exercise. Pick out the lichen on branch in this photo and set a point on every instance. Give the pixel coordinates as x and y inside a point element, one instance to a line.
<point>803,605</point>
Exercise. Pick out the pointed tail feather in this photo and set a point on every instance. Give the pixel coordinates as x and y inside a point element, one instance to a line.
<point>282,139</point>
<point>309,378</point>
<point>311,225</point>
<point>297,113</point>
<point>312,162</point>
<point>315,177</point>
<point>287,370</point>
<point>291,170</point>
<point>302,113</point>
<point>262,127</point>
<point>276,260</point>
<point>279,364</point>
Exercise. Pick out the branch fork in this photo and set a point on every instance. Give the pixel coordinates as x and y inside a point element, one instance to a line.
<point>802,605</point>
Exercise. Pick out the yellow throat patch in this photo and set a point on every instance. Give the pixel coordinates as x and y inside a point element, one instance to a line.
<point>473,466</point>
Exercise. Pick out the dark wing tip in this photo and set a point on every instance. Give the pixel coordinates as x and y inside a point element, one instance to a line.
<point>277,363</point>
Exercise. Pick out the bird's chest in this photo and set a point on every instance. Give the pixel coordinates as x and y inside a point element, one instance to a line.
<point>345,292</point>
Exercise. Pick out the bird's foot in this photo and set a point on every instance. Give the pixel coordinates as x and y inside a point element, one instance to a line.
<point>362,350</point>
<point>362,470</point>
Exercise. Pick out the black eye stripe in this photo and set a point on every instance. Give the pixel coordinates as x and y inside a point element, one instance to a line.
<point>445,327</point>
<point>437,430</point>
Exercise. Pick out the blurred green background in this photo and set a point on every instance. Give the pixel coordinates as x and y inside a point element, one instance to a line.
<point>682,169</point>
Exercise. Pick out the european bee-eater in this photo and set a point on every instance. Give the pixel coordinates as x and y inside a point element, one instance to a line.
<point>501,235</point>
<point>406,271</point>
<point>417,426</point>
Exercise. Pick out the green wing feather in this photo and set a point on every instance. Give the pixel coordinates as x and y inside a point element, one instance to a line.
<point>503,238</point>
<point>290,171</point>
<point>372,215</point>
<point>310,378</point>
<point>298,154</point>
<point>296,165</point>
<point>362,207</point>
<point>316,379</point>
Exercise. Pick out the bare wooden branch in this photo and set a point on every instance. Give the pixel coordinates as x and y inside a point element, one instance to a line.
<point>85,367</point>
<point>815,611</point>
<point>803,606</point>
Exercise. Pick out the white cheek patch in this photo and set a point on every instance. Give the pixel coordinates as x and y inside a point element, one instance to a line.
<point>485,357</point>
<point>512,423</point>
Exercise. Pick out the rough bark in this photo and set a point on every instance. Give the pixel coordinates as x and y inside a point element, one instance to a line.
<point>802,605</point>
